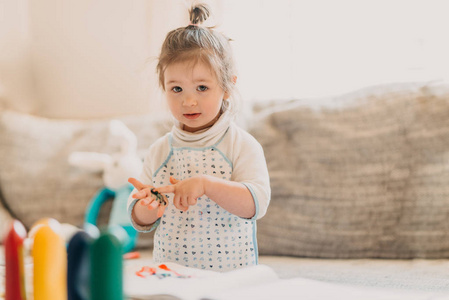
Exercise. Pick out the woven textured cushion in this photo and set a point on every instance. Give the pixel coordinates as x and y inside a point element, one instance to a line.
<point>366,179</point>
<point>36,179</point>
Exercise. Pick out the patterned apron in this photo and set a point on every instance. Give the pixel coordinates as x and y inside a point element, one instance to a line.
<point>206,236</point>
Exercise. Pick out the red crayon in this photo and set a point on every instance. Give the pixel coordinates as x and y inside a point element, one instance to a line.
<point>15,276</point>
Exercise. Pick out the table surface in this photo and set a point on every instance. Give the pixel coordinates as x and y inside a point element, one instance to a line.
<point>418,275</point>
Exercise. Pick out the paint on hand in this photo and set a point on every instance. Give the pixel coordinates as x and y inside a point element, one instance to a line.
<point>160,202</point>
<point>159,197</point>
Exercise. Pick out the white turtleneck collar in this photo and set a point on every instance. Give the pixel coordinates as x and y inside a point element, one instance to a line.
<point>202,138</point>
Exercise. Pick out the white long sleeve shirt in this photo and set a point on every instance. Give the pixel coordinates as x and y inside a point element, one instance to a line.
<point>207,236</point>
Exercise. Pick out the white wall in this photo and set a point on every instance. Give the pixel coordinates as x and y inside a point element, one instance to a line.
<point>16,88</point>
<point>84,51</point>
<point>96,58</point>
<point>83,58</point>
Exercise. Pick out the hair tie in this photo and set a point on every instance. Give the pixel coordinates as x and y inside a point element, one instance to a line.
<point>193,24</point>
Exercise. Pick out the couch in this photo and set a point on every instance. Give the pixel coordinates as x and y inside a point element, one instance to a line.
<point>360,182</point>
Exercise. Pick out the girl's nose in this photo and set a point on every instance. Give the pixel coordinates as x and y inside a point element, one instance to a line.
<point>189,101</point>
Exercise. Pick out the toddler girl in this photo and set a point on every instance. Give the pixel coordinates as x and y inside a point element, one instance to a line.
<point>212,172</point>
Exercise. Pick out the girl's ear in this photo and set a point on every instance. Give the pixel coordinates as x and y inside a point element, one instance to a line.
<point>226,94</point>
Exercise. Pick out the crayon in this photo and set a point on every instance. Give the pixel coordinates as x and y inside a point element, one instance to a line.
<point>106,264</point>
<point>50,262</point>
<point>78,264</point>
<point>14,262</point>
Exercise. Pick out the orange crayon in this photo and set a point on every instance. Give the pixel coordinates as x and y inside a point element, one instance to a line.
<point>50,262</point>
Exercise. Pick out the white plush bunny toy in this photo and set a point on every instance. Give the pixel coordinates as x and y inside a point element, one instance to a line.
<point>116,169</point>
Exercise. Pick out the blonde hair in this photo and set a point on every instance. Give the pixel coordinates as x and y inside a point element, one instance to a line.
<point>196,43</point>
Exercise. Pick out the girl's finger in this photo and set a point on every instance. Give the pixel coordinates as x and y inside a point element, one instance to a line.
<point>176,202</point>
<point>139,195</point>
<point>149,203</point>
<point>136,183</point>
<point>184,207</point>
<point>185,201</point>
<point>173,180</point>
<point>145,193</point>
<point>160,211</point>
<point>145,201</point>
<point>153,205</point>
<point>165,189</point>
<point>192,201</point>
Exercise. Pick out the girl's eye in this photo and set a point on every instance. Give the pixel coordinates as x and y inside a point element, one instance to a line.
<point>202,88</point>
<point>176,89</point>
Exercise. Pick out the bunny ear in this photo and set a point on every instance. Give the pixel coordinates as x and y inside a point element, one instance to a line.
<point>90,161</point>
<point>128,140</point>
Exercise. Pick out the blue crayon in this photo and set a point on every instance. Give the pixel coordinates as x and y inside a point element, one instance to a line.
<point>78,264</point>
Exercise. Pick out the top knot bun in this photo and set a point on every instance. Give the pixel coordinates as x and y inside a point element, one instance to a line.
<point>199,13</point>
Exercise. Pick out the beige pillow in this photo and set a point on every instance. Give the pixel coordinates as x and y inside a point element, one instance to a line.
<point>36,179</point>
<point>369,179</point>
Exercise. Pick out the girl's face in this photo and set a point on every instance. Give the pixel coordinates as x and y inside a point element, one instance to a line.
<point>193,94</point>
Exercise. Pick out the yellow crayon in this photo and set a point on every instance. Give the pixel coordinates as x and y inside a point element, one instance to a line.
<point>50,262</point>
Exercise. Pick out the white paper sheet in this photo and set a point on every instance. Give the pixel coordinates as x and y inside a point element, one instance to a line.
<point>200,283</point>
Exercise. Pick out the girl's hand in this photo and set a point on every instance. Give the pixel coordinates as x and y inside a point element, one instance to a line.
<point>146,197</point>
<point>186,191</point>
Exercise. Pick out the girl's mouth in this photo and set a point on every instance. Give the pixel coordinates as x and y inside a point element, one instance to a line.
<point>192,116</point>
